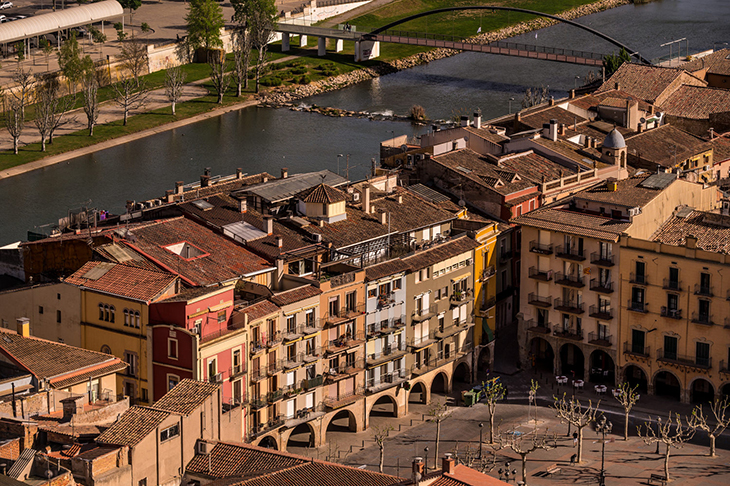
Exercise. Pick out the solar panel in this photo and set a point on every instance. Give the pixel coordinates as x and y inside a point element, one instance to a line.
<point>428,193</point>
<point>202,204</point>
<point>659,181</point>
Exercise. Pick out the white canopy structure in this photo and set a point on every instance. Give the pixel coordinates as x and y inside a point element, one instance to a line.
<point>59,21</point>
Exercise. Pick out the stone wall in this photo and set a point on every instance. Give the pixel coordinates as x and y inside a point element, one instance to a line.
<point>10,449</point>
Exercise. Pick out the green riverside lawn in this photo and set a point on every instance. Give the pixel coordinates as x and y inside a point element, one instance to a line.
<point>309,67</point>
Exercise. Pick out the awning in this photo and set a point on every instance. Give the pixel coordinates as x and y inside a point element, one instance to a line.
<point>487,329</point>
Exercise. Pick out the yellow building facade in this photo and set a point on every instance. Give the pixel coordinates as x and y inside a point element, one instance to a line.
<point>485,291</point>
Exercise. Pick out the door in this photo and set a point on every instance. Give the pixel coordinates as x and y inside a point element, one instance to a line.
<point>637,341</point>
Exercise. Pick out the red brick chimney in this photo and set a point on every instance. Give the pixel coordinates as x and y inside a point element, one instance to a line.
<point>448,464</point>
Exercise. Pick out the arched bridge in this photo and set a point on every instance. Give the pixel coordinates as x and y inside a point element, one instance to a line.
<point>367,44</point>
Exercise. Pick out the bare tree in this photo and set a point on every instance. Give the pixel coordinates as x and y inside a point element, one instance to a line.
<point>571,411</point>
<point>129,96</point>
<point>720,415</point>
<point>532,398</point>
<point>90,87</point>
<point>438,413</point>
<point>261,23</point>
<point>219,76</point>
<point>45,108</point>
<point>524,445</point>
<point>379,435</point>
<point>241,58</point>
<point>174,82</point>
<point>134,58</point>
<point>671,432</point>
<point>493,391</point>
<point>24,84</point>
<point>627,396</point>
<point>14,120</point>
<point>535,96</point>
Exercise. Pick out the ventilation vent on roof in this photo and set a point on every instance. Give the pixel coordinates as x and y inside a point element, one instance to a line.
<point>186,250</point>
<point>202,205</point>
<point>464,169</point>
<point>98,271</point>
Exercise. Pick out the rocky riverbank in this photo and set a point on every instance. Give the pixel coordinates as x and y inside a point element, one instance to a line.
<point>288,96</point>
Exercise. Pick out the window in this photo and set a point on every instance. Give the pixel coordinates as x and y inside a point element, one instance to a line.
<point>309,317</point>
<point>236,360</point>
<point>106,313</point>
<point>702,353</point>
<point>637,298</point>
<point>291,352</point>
<point>172,380</point>
<point>372,293</point>
<point>311,372</point>
<point>397,284</point>
<point>637,341</point>
<point>705,283</point>
<point>442,322</point>
<point>351,301</point>
<point>172,348</point>
<point>111,313</point>
<point>309,346</point>
<point>58,296</point>
<point>101,311</point>
<point>58,316</point>
<point>640,272</point>
<point>131,359</point>
<point>334,306</point>
<point>221,317</point>
<point>602,331</point>
<point>127,317</point>
<point>384,289</point>
<point>40,309</point>
<point>212,368</point>
<point>136,319</point>
<point>672,304</point>
<point>670,347</point>
<point>291,324</point>
<point>237,392</point>
<point>106,349</point>
<point>169,432</point>
<point>704,310</point>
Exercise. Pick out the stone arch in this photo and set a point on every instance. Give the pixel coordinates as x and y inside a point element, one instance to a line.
<point>462,373</point>
<point>269,442</point>
<point>542,355</point>
<point>602,368</point>
<point>725,389</point>
<point>385,406</point>
<point>484,362</point>
<point>667,384</point>
<point>440,383</point>
<point>337,422</point>
<point>303,435</point>
<point>572,361</point>
<point>701,390</point>
<point>635,375</point>
<point>419,393</point>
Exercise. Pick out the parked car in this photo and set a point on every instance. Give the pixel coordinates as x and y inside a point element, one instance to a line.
<point>5,5</point>
<point>3,19</point>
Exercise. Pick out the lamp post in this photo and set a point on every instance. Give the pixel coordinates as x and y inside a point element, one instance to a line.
<point>575,82</point>
<point>506,474</point>
<point>510,105</point>
<point>481,439</point>
<point>425,455</point>
<point>338,163</point>
<point>604,428</point>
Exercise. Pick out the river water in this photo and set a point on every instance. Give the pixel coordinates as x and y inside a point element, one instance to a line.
<point>258,139</point>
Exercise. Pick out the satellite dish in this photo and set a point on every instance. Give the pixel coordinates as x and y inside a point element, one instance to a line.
<point>404,147</point>
<point>642,120</point>
<point>462,203</point>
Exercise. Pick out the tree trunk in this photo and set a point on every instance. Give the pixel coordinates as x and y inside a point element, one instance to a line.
<point>666,463</point>
<point>220,97</point>
<point>580,444</point>
<point>626,427</point>
<point>91,129</point>
<point>382,457</point>
<point>238,89</point>
<point>491,426</point>
<point>524,469</point>
<point>126,113</point>
<point>438,437</point>
<point>43,144</point>
<point>173,107</point>
<point>15,145</point>
<point>712,445</point>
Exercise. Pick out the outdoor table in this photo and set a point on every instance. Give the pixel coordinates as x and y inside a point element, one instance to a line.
<point>562,380</point>
<point>600,389</point>
<point>578,384</point>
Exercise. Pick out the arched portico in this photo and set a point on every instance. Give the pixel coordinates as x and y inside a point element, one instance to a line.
<point>666,384</point>
<point>701,391</point>
<point>302,436</point>
<point>269,442</point>
<point>542,356</point>
<point>635,376</point>
<point>419,393</point>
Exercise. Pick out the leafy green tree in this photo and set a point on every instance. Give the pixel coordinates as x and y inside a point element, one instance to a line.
<point>261,22</point>
<point>614,61</point>
<point>69,60</point>
<point>204,24</point>
<point>47,49</point>
<point>132,5</point>
<point>20,49</point>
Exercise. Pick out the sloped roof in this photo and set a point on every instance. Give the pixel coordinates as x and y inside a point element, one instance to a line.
<point>323,194</point>
<point>573,222</point>
<point>235,460</point>
<point>664,145</point>
<point>441,252</point>
<point>696,102</point>
<point>122,280</point>
<point>386,268</point>
<point>186,396</point>
<point>642,81</point>
<point>716,63</point>
<point>134,425</point>
<point>295,295</point>
<point>711,230</point>
<point>281,189</point>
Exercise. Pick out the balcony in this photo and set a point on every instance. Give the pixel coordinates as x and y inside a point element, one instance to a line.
<point>601,287</point>
<point>570,253</point>
<point>423,341</point>
<point>544,276</point>
<point>293,361</point>
<point>570,306</point>
<point>436,362</point>
<point>637,306</point>
<point>234,371</point>
<point>705,290</point>
<point>344,399</point>
<point>275,367</point>
<point>568,280</point>
<point>256,347</point>
<point>683,360</point>
<point>344,313</point>
<point>723,367</point>
<point>217,378</point>
<point>312,382</point>
<point>258,374</point>
<point>304,415</point>
<point>505,255</point>
<point>539,301</point>
<point>261,429</point>
<point>388,353</point>
<point>460,296</point>
<point>422,314</point>
<point>488,273</point>
<point>488,304</point>
<point>293,333</point>
<point>600,339</point>
<point>385,327</point>
<point>273,339</point>
<point>385,381</point>
<point>635,349</point>
<point>312,326</point>
<point>671,313</point>
<point>703,318</point>
<point>275,396</point>
<point>568,333</point>
<point>343,370</point>
<point>344,342</point>
<point>638,278</point>
<point>602,260</point>
<point>385,299</point>
<point>259,402</point>
<point>540,328</point>
<point>669,284</point>
<point>455,327</point>
<point>604,313</point>
<point>541,248</point>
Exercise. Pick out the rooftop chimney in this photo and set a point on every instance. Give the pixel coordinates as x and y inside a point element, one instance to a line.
<point>169,195</point>
<point>243,205</point>
<point>477,118</point>
<point>617,86</point>
<point>712,133</point>
<point>553,130</point>
<point>384,218</point>
<point>561,129</point>
<point>650,110</point>
<point>179,187</point>
<point>205,178</point>
<point>551,101</point>
<point>239,173</point>
<point>400,199</point>
<point>464,121</point>
<point>417,466</point>
<point>571,95</point>
<point>71,407</point>
<point>264,179</point>
<point>366,200</point>
<point>23,326</point>
<point>284,172</point>
<point>448,464</point>
<point>279,242</point>
<point>268,225</point>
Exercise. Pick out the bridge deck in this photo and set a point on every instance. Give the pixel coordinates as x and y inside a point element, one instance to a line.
<point>291,28</point>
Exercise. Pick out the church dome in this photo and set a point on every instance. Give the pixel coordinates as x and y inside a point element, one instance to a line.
<point>614,140</point>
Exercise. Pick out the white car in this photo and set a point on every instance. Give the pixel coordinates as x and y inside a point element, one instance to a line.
<point>3,19</point>
<point>5,5</point>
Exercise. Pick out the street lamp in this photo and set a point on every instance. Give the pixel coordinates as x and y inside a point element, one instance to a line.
<point>425,455</point>
<point>510,105</point>
<point>575,82</point>
<point>338,163</point>
<point>481,440</point>
<point>506,473</point>
<point>604,428</point>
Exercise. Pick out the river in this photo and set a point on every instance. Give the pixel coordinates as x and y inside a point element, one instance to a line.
<point>258,139</point>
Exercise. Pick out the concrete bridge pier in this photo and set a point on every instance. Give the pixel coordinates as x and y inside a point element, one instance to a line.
<point>302,40</point>
<point>339,45</point>
<point>366,49</point>
<point>321,46</point>
<point>285,45</point>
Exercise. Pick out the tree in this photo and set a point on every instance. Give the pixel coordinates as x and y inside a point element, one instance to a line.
<point>121,35</point>
<point>379,435</point>
<point>438,413</point>
<point>418,113</point>
<point>14,120</point>
<point>132,5</point>
<point>671,432</point>
<point>535,96</point>
<point>525,444</point>
<point>134,58</point>
<point>20,49</point>
<point>219,76</point>
<point>69,61</point>
<point>261,22</point>
<point>721,416</point>
<point>532,398</point>
<point>45,107</point>
<point>493,391</point>
<point>47,49</point>
<point>24,84</point>
<point>174,82</point>
<point>204,24</point>
<point>129,95</point>
<point>90,87</point>
<point>614,61</point>
<point>241,58</point>
<point>627,397</point>
<point>571,411</point>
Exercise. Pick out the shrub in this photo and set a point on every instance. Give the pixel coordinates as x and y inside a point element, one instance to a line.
<point>145,27</point>
<point>418,113</point>
<point>304,80</point>
<point>299,70</point>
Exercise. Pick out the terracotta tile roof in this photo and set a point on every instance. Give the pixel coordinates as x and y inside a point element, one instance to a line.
<point>384,269</point>
<point>539,118</point>
<point>569,150</point>
<point>644,82</point>
<point>122,280</point>
<point>295,295</point>
<point>319,473</point>
<point>712,231</point>
<point>237,460</point>
<point>664,145</point>
<point>322,194</point>
<point>440,252</point>
<point>534,167</point>
<point>187,295</point>
<point>617,98</point>
<point>469,164</point>
<point>134,425</point>
<point>487,134</point>
<point>186,396</point>
<point>466,476</point>
<point>573,222</point>
<point>629,193</point>
<point>720,149</point>
<point>260,309</point>
<point>68,361</point>
<point>61,382</point>
<point>716,63</point>
<point>227,186</point>
<point>221,259</point>
<point>696,102</point>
